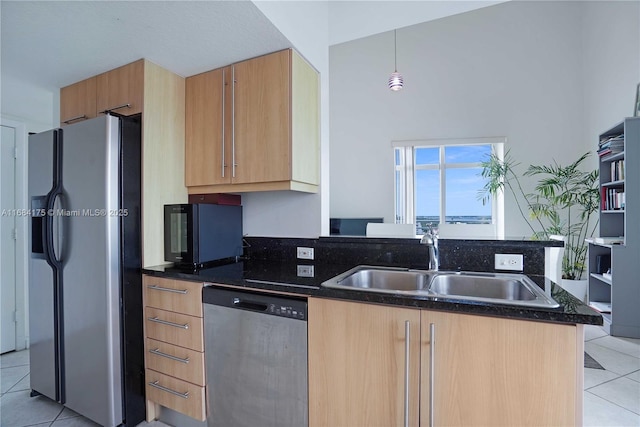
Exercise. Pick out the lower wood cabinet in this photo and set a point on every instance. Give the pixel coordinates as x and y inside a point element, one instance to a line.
<point>357,369</point>
<point>462,370</point>
<point>176,361</point>
<point>181,396</point>
<point>497,371</point>
<point>174,347</point>
<point>175,328</point>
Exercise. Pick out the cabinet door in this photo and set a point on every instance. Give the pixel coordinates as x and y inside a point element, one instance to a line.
<point>207,157</point>
<point>78,101</point>
<point>496,371</point>
<point>262,112</point>
<point>120,90</point>
<point>357,364</point>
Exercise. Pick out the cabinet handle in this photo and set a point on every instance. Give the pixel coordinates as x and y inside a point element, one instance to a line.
<point>432,370</point>
<point>157,385</point>
<point>407,338</point>
<point>223,119</point>
<point>233,122</point>
<point>73,119</point>
<point>165,322</point>
<point>169,356</point>
<point>108,110</point>
<point>160,288</point>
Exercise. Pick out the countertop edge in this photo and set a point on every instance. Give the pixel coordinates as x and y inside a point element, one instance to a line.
<point>582,314</point>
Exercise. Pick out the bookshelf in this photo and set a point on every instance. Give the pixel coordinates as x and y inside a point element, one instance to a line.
<point>614,258</point>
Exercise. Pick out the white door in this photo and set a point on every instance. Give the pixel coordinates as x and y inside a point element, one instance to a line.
<point>7,240</point>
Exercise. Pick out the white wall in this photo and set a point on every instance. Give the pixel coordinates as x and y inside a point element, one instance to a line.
<point>291,214</point>
<point>27,108</point>
<point>611,64</point>
<point>515,69</point>
<point>37,107</point>
<point>350,20</point>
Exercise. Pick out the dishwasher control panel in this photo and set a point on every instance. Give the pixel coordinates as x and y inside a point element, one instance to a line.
<point>287,307</point>
<point>287,311</point>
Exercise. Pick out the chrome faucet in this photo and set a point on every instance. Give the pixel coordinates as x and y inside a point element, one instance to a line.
<point>430,238</point>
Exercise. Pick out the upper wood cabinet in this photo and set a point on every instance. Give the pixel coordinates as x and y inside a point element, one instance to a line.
<point>262,128</point>
<point>472,370</point>
<point>78,101</point>
<point>207,156</point>
<point>121,89</point>
<point>253,126</point>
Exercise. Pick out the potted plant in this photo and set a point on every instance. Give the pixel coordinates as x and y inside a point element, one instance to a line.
<point>562,203</point>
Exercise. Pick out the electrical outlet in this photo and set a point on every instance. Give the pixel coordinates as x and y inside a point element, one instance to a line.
<point>512,262</point>
<point>305,253</point>
<point>305,270</point>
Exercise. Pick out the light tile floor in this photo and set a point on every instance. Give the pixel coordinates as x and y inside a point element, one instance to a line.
<point>611,396</point>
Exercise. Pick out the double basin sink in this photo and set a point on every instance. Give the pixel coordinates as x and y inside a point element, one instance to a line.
<point>498,288</point>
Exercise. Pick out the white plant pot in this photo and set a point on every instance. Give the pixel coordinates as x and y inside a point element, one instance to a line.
<point>577,288</point>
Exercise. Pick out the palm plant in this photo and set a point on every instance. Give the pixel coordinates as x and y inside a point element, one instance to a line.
<point>563,203</point>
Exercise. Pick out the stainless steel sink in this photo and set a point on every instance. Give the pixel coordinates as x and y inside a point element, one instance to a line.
<point>498,288</point>
<point>503,288</point>
<point>385,280</point>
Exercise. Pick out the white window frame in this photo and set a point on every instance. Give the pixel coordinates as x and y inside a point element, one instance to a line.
<point>405,192</point>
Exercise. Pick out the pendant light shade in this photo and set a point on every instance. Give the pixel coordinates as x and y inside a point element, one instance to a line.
<point>396,82</point>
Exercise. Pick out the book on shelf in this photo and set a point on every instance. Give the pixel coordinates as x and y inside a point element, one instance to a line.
<point>609,240</point>
<point>600,306</point>
<point>611,139</point>
<point>610,145</point>
<point>617,170</point>
<point>612,198</point>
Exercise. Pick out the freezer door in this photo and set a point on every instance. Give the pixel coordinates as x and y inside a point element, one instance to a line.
<point>42,323</point>
<point>89,251</point>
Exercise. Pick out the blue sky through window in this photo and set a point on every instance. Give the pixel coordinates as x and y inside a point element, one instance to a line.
<point>462,184</point>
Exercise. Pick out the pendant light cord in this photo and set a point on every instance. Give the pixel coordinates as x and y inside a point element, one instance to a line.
<point>395,51</point>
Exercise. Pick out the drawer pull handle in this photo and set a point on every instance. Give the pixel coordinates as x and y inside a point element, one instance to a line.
<point>169,356</point>
<point>160,288</point>
<point>432,372</point>
<point>108,110</point>
<point>157,385</point>
<point>165,322</point>
<point>407,349</point>
<point>73,119</point>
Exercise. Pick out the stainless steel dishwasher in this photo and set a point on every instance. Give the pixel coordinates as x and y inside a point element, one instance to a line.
<point>256,359</point>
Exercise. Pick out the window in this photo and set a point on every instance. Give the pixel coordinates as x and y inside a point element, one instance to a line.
<point>437,184</point>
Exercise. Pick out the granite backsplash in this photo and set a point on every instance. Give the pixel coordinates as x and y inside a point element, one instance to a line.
<point>455,254</point>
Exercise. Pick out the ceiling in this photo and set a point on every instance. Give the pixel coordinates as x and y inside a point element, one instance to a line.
<point>52,44</point>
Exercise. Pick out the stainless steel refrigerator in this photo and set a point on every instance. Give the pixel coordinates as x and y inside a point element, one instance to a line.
<point>85,291</point>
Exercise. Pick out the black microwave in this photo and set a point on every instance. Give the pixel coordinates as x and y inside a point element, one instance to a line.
<point>198,233</point>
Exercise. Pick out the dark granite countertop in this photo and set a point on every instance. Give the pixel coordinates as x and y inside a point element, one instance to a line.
<point>282,276</point>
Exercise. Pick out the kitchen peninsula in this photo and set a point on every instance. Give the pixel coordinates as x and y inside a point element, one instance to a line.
<point>489,363</point>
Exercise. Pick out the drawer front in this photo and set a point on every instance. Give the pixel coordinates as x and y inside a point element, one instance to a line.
<point>179,362</point>
<point>176,394</point>
<point>173,295</point>
<point>174,328</point>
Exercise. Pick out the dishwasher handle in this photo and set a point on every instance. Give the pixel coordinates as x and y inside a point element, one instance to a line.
<point>247,304</point>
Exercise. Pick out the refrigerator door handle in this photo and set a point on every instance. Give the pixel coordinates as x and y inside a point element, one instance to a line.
<point>56,265</point>
<point>51,212</point>
<point>57,231</point>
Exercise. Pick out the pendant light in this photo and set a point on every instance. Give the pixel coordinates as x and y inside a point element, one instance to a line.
<point>395,80</point>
